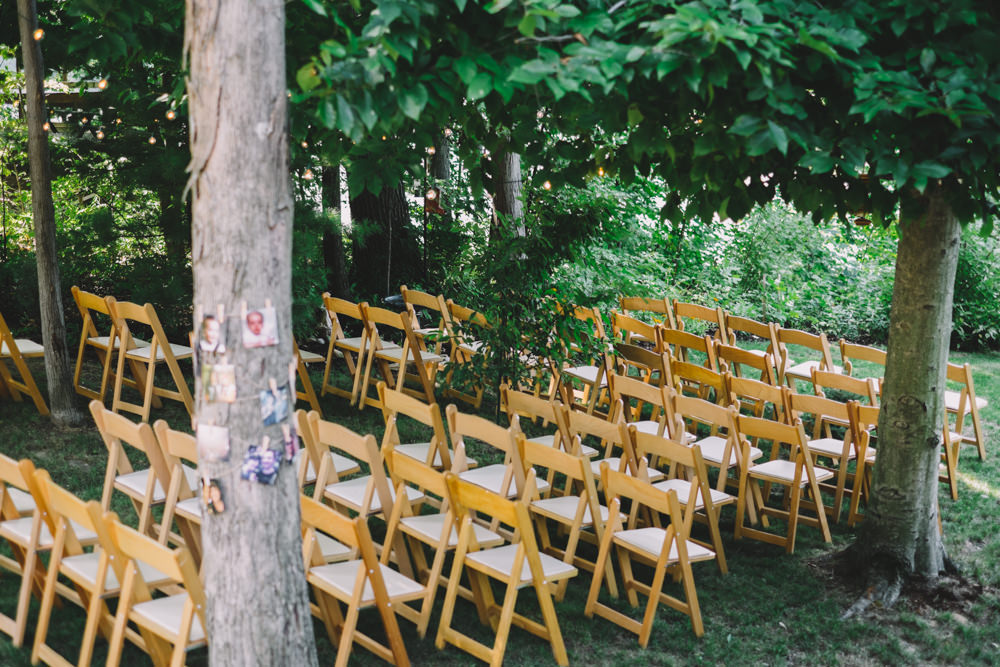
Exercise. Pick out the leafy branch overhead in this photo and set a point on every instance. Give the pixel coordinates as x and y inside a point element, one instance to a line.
<point>729,102</point>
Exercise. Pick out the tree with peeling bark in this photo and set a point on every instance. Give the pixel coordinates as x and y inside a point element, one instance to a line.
<point>62,398</point>
<point>258,609</point>
<point>885,110</point>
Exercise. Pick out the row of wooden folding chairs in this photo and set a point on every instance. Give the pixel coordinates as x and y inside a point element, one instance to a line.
<point>93,558</point>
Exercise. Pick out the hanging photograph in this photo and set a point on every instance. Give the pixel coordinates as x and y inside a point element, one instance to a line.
<point>211,496</point>
<point>274,405</point>
<point>221,384</point>
<point>212,339</point>
<point>260,327</point>
<point>291,439</point>
<point>261,464</point>
<point>212,442</point>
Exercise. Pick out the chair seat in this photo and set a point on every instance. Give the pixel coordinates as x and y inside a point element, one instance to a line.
<point>27,348</point>
<point>683,489</point>
<point>951,398</point>
<point>615,463</point>
<point>19,532</point>
<point>433,332</point>
<point>189,508</point>
<point>713,448</point>
<point>499,564</point>
<point>563,508</point>
<point>650,426</point>
<point>134,483</point>
<point>550,441</point>
<point>649,542</point>
<point>308,357</point>
<point>83,567</point>
<point>105,341</point>
<point>352,492</point>
<point>164,616</point>
<point>427,528</point>
<point>354,344</point>
<point>587,374</point>
<point>804,369</point>
<point>783,472</point>
<point>472,347</point>
<point>332,550</point>
<point>491,478</point>
<point>831,447</point>
<point>418,451</point>
<point>142,353</point>
<point>339,578</point>
<point>396,354</point>
<point>23,502</point>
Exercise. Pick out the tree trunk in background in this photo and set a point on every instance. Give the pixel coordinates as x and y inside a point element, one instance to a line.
<point>174,227</point>
<point>258,608</point>
<point>900,536</point>
<point>380,224</point>
<point>333,240</point>
<point>507,200</point>
<point>62,397</point>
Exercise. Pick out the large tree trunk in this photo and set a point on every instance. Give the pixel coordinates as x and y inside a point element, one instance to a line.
<point>900,535</point>
<point>508,204</point>
<point>258,611</point>
<point>380,227</point>
<point>62,397</point>
<point>333,240</point>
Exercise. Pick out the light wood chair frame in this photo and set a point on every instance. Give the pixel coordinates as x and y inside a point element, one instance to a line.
<point>11,349</point>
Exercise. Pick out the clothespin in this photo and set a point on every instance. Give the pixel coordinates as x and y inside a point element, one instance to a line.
<point>273,384</point>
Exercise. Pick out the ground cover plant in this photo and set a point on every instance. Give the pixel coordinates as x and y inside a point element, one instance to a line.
<point>770,609</point>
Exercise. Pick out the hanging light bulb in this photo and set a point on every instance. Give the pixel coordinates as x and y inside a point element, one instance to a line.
<point>305,144</point>
<point>308,175</point>
<point>102,84</point>
<point>547,185</point>
<point>152,140</point>
<point>431,150</point>
<point>118,121</point>
<point>383,137</point>
<point>600,171</point>
<point>38,34</point>
<point>431,194</point>
<point>46,127</point>
<point>100,134</point>
<point>447,132</point>
<point>171,114</point>
<point>84,120</point>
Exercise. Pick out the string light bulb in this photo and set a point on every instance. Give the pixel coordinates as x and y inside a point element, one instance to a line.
<point>38,34</point>
<point>46,127</point>
<point>431,150</point>
<point>383,137</point>
<point>118,121</point>
<point>447,132</point>
<point>152,140</point>
<point>308,175</point>
<point>171,114</point>
<point>100,134</point>
<point>547,185</point>
<point>600,171</point>
<point>102,84</point>
<point>431,194</point>
<point>305,144</point>
<point>84,120</point>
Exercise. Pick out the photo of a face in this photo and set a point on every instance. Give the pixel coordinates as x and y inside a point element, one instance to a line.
<point>211,496</point>
<point>260,328</point>
<point>274,405</point>
<point>212,442</point>
<point>211,336</point>
<point>221,385</point>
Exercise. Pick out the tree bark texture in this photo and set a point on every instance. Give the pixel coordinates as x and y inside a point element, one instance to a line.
<point>900,534</point>
<point>382,241</point>
<point>507,201</point>
<point>62,397</point>
<point>258,612</point>
<point>333,240</point>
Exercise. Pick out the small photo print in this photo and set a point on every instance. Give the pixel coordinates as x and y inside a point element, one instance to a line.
<point>212,442</point>
<point>221,385</point>
<point>274,405</point>
<point>212,339</point>
<point>261,464</point>
<point>211,496</point>
<point>291,440</point>
<point>260,327</point>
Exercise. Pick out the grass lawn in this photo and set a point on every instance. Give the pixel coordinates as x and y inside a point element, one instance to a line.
<point>770,609</point>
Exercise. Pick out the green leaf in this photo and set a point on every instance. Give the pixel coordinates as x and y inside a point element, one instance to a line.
<point>927,59</point>
<point>480,86</point>
<point>413,101</point>
<point>745,125</point>
<point>327,114</point>
<point>779,136</point>
<point>527,25</point>
<point>345,116</point>
<point>634,54</point>
<point>308,77</point>
<point>634,115</point>
<point>461,5</point>
<point>931,169</point>
<point>567,11</point>
<point>316,6</point>
<point>497,6</point>
<point>465,67</point>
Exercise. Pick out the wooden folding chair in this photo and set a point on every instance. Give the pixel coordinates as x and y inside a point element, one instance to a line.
<point>864,421</point>
<point>146,486</point>
<point>840,451</point>
<point>412,354</point>
<point>352,349</point>
<point>302,360</point>
<point>435,451</point>
<point>635,396</point>
<point>515,565</point>
<point>170,625</point>
<point>667,550</point>
<point>436,531</point>
<point>592,374</point>
<point>680,344</point>
<point>183,503</point>
<point>17,350</point>
<point>743,328</point>
<point>733,360</point>
<point>649,365</point>
<point>435,333</point>
<point>966,402</point>
<point>863,390</point>
<point>788,369</point>
<point>711,321</point>
<point>359,584</point>
<point>662,311</point>
<point>92,574</point>
<point>686,469</point>
<point>705,383</point>
<point>854,355</point>
<point>609,435</point>
<point>760,398</point>
<point>93,308</point>
<point>506,479</point>
<point>797,473</point>
<point>126,315</point>
<point>720,448</point>
<point>631,331</point>
<point>466,328</point>
<point>575,512</point>
<point>317,450</point>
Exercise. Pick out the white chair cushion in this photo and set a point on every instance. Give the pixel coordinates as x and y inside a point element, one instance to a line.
<point>951,398</point>
<point>352,492</point>
<point>308,357</point>
<point>104,341</point>
<point>428,528</point>
<point>189,508</point>
<point>84,568</point>
<point>19,532</point>
<point>587,374</point>
<point>683,489</point>
<point>23,502</point>
<point>134,483</point>
<point>564,508</point>
<point>164,615</point>
<point>650,542</point>
<point>418,451</point>
<point>142,352</point>
<point>491,478</point>
<point>804,369</point>
<point>396,354</point>
<point>27,348</point>
<point>331,549</point>
<point>341,577</point>
<point>713,448</point>
<point>784,471</point>
<point>499,562</point>
<point>831,447</point>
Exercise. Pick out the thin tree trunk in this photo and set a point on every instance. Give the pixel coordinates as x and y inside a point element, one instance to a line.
<point>173,227</point>
<point>507,200</point>
<point>333,240</point>
<point>380,223</point>
<point>62,397</point>
<point>900,534</point>
<point>258,611</point>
